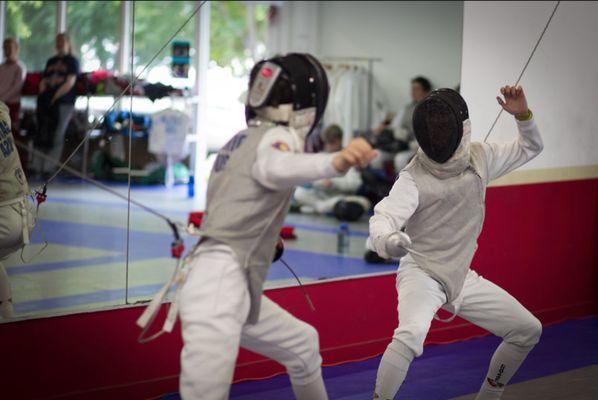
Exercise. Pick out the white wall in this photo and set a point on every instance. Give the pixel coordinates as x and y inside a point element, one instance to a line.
<point>295,28</point>
<point>561,81</point>
<point>412,38</point>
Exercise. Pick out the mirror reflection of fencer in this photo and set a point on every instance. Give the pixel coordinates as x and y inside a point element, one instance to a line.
<point>16,219</point>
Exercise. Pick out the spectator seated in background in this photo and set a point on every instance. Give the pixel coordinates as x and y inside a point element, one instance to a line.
<point>336,195</point>
<point>395,140</point>
<point>394,136</point>
<point>396,144</point>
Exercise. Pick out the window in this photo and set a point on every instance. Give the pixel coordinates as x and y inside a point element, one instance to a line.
<point>237,39</point>
<point>238,34</point>
<point>94,29</point>
<point>33,23</point>
<point>155,22</point>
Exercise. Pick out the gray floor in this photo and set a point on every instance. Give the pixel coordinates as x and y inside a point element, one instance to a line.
<point>578,384</point>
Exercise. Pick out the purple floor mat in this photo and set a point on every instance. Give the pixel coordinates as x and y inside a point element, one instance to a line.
<point>446,371</point>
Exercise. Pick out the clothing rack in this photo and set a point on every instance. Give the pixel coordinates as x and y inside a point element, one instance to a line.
<point>351,62</point>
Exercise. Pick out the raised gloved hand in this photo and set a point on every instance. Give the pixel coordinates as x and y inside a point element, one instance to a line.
<point>396,244</point>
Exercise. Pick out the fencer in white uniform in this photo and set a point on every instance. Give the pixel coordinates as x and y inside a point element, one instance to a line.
<point>249,192</point>
<point>16,220</point>
<point>432,219</point>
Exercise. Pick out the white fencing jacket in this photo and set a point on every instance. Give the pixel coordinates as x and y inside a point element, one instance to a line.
<point>444,215</point>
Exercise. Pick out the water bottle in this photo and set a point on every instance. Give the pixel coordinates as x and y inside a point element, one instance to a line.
<point>342,239</point>
<point>191,187</point>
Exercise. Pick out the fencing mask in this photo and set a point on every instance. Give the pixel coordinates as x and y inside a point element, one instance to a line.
<point>291,90</point>
<point>438,123</point>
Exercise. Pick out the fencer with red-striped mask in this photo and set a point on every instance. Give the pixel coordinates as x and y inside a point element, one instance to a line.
<point>250,187</point>
<point>431,220</point>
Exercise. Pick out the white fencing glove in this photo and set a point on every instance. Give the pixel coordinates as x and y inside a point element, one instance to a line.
<point>397,244</point>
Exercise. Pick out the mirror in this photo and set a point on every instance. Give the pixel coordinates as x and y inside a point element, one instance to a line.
<point>104,251</point>
<point>81,268</point>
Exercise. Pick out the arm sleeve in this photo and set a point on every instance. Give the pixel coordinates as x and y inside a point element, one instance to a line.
<point>503,158</point>
<point>281,165</point>
<point>347,184</point>
<point>399,126</point>
<point>391,214</point>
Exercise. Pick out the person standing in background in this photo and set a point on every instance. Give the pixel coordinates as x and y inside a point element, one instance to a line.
<point>12,76</point>
<point>56,100</point>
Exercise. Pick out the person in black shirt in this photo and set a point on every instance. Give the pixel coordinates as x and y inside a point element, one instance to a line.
<point>56,101</point>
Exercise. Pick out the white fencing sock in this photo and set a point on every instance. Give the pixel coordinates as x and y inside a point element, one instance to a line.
<point>6,309</point>
<point>392,370</point>
<point>313,390</point>
<point>504,363</point>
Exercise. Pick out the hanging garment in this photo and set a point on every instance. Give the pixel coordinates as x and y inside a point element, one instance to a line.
<point>169,131</point>
<point>348,104</point>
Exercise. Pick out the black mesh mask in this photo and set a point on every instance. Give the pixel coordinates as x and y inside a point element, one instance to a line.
<point>438,123</point>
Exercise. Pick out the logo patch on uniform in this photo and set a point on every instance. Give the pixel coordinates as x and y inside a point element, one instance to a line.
<point>19,176</point>
<point>225,153</point>
<point>282,146</point>
<point>493,383</point>
<point>4,129</point>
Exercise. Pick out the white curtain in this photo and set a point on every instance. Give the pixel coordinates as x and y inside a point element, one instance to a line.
<point>348,101</point>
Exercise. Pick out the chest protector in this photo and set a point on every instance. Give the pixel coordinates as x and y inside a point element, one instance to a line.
<point>244,214</point>
<point>445,227</point>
